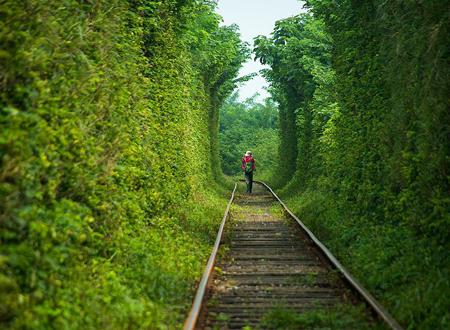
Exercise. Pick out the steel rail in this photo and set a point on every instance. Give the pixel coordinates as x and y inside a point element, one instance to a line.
<point>194,313</point>
<point>368,298</point>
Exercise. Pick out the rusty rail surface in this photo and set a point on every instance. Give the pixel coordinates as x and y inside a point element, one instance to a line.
<point>192,318</point>
<point>379,310</point>
<point>367,297</point>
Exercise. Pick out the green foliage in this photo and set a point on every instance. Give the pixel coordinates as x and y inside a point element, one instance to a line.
<point>363,90</point>
<point>298,54</point>
<point>405,271</point>
<point>105,159</point>
<point>248,126</point>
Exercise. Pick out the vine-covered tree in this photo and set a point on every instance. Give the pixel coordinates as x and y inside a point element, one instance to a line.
<point>363,90</point>
<point>299,57</point>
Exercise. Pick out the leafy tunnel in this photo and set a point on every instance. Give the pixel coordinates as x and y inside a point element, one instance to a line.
<point>119,119</point>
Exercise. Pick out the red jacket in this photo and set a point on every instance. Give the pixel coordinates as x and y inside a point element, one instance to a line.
<point>247,159</point>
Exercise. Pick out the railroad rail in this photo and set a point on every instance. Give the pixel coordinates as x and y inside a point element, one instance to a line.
<point>270,260</point>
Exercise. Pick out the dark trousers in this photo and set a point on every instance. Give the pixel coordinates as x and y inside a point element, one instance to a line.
<point>249,181</point>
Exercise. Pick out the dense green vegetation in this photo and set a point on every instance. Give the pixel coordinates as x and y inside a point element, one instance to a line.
<point>108,114</point>
<point>363,92</point>
<point>110,163</point>
<point>246,126</point>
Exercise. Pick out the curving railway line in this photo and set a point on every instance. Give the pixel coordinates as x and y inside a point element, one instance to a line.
<point>266,259</point>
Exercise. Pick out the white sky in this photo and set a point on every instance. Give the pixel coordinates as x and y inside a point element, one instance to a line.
<point>256,17</point>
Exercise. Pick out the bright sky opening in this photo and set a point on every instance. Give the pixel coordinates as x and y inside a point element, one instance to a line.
<point>256,17</point>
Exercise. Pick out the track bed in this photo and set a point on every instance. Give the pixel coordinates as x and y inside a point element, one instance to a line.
<point>267,262</point>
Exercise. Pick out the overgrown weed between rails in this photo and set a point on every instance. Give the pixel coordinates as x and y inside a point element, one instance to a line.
<point>338,317</point>
<point>108,200</point>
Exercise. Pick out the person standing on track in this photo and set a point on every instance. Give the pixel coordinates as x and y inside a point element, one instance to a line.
<point>248,166</point>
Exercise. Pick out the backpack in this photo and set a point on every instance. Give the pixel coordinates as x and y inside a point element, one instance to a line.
<point>248,166</point>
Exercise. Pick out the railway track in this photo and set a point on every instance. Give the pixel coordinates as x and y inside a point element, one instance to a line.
<point>269,260</point>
